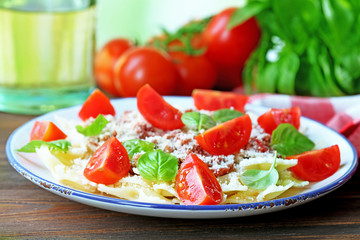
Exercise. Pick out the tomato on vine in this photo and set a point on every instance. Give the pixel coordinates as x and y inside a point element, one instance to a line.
<point>105,61</point>
<point>230,47</point>
<point>195,69</point>
<point>187,52</point>
<point>145,65</point>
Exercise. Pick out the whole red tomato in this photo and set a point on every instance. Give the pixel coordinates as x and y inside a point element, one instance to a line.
<point>195,71</point>
<point>229,77</point>
<point>186,43</point>
<point>105,60</point>
<point>145,65</point>
<point>230,47</point>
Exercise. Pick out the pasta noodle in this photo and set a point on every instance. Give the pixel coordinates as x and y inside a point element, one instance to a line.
<point>68,168</point>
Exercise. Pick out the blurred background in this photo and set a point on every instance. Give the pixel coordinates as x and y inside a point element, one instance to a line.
<point>141,19</point>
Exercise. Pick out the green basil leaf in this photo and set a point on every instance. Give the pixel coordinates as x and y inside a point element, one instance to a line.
<point>198,120</point>
<point>260,179</point>
<point>315,78</point>
<point>344,79</point>
<point>249,10</point>
<point>290,63</point>
<point>326,66</point>
<point>94,128</point>
<point>303,79</point>
<point>226,114</point>
<point>298,21</point>
<point>339,17</point>
<point>136,145</point>
<point>158,165</point>
<point>321,49</point>
<point>288,141</point>
<point>31,147</point>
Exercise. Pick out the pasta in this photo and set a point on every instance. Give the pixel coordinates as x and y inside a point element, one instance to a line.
<point>68,167</point>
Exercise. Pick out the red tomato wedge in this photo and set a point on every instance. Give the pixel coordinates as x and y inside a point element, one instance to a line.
<point>214,100</point>
<point>274,117</point>
<point>97,103</point>
<point>46,131</point>
<point>316,165</point>
<point>156,110</point>
<point>109,163</point>
<point>196,184</point>
<point>226,138</point>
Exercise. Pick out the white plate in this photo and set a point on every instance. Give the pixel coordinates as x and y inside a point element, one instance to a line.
<point>29,166</point>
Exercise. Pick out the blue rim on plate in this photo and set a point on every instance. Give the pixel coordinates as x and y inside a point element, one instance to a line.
<point>175,211</point>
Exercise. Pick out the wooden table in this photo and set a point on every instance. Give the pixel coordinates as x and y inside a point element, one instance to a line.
<point>28,211</point>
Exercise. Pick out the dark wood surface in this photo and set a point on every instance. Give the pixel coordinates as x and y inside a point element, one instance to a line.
<point>30,212</point>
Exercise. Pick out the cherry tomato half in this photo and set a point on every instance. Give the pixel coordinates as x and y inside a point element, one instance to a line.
<point>145,65</point>
<point>109,163</point>
<point>105,61</point>
<point>97,103</point>
<point>46,131</point>
<point>316,165</point>
<point>196,184</point>
<point>230,47</point>
<point>226,138</point>
<point>274,117</point>
<point>214,100</point>
<point>195,72</point>
<point>156,110</point>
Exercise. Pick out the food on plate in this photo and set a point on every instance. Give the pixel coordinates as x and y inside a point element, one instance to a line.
<point>196,184</point>
<point>156,110</point>
<point>272,118</point>
<point>109,163</point>
<point>207,157</point>
<point>226,138</point>
<point>46,131</point>
<point>214,100</point>
<point>317,165</point>
<point>97,103</point>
